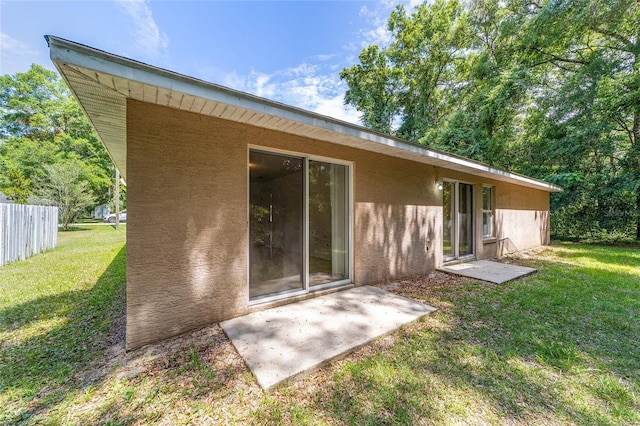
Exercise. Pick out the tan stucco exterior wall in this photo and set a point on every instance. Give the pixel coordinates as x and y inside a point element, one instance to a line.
<point>186,231</point>
<point>522,218</point>
<point>187,217</point>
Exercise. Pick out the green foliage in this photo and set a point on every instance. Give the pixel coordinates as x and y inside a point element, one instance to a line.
<point>550,89</point>
<point>42,125</point>
<point>19,190</point>
<point>372,86</point>
<point>28,103</point>
<point>66,185</point>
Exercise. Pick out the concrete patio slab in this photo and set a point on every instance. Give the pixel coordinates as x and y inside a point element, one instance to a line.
<point>280,343</point>
<point>485,270</point>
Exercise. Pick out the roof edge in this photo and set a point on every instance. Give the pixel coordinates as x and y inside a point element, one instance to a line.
<point>66,51</point>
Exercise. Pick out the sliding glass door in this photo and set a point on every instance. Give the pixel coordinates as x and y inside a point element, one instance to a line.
<point>465,219</point>
<point>457,233</point>
<point>275,223</point>
<point>299,224</point>
<point>328,222</point>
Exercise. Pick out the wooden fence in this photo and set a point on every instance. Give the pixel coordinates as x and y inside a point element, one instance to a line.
<point>26,230</point>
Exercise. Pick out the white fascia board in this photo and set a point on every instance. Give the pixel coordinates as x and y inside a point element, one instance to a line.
<point>65,51</point>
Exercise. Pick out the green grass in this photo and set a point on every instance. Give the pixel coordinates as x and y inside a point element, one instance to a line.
<point>559,347</point>
<point>55,311</point>
<point>562,346</point>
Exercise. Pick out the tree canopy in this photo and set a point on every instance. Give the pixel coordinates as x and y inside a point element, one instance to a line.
<point>547,88</point>
<point>46,140</point>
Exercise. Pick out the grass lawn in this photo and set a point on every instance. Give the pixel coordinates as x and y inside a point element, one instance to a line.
<point>559,347</point>
<point>56,309</point>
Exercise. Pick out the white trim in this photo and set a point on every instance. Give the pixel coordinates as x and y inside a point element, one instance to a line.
<point>272,297</point>
<point>329,285</point>
<point>460,181</point>
<point>305,224</point>
<point>301,154</point>
<point>455,243</point>
<point>248,229</point>
<point>493,211</point>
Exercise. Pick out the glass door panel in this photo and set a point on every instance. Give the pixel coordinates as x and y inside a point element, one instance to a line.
<point>276,214</point>
<point>457,212</point>
<point>465,215</point>
<point>449,221</point>
<point>328,223</point>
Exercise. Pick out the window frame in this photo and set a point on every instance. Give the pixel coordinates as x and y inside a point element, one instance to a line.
<point>490,212</point>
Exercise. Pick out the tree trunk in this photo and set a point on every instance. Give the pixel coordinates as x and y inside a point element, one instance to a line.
<point>636,164</point>
<point>636,134</point>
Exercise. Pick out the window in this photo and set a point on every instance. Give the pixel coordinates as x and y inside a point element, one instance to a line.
<point>487,212</point>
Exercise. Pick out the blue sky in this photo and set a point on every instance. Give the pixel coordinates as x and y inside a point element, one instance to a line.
<point>288,51</point>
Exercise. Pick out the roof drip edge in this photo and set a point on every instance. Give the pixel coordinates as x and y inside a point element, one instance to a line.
<point>64,52</point>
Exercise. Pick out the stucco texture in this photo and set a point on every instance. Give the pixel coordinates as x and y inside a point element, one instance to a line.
<point>187,217</point>
<point>186,231</point>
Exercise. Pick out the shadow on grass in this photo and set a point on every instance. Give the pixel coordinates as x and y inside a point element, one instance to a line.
<point>74,228</point>
<point>40,369</point>
<point>556,348</point>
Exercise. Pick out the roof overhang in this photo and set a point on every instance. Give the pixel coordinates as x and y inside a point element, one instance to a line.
<point>102,83</point>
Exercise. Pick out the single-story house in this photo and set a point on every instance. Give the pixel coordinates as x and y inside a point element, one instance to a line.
<point>238,203</point>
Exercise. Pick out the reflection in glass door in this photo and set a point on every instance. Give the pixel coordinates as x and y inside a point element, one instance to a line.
<point>457,207</point>
<point>299,225</point>
<point>328,222</point>
<point>275,223</point>
<point>449,218</point>
<point>465,219</point>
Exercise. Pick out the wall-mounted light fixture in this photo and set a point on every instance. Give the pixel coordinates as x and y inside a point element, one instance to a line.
<point>439,185</point>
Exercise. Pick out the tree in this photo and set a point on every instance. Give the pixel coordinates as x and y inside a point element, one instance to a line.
<point>67,187</point>
<point>588,108</point>
<point>19,190</point>
<point>42,124</point>
<point>429,48</point>
<point>549,88</point>
<point>372,89</point>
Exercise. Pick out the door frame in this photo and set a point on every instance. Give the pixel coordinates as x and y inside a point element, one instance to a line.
<point>306,288</point>
<point>455,243</point>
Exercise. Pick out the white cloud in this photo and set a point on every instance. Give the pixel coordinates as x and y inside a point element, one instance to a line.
<point>377,18</point>
<point>306,87</point>
<point>301,70</point>
<point>325,57</point>
<point>311,87</point>
<point>261,85</point>
<point>150,40</point>
<point>17,55</point>
<point>316,86</point>
<point>11,45</point>
<point>335,107</point>
<point>378,35</point>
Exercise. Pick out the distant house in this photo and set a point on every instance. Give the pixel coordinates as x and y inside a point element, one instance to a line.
<point>237,203</point>
<point>101,211</point>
